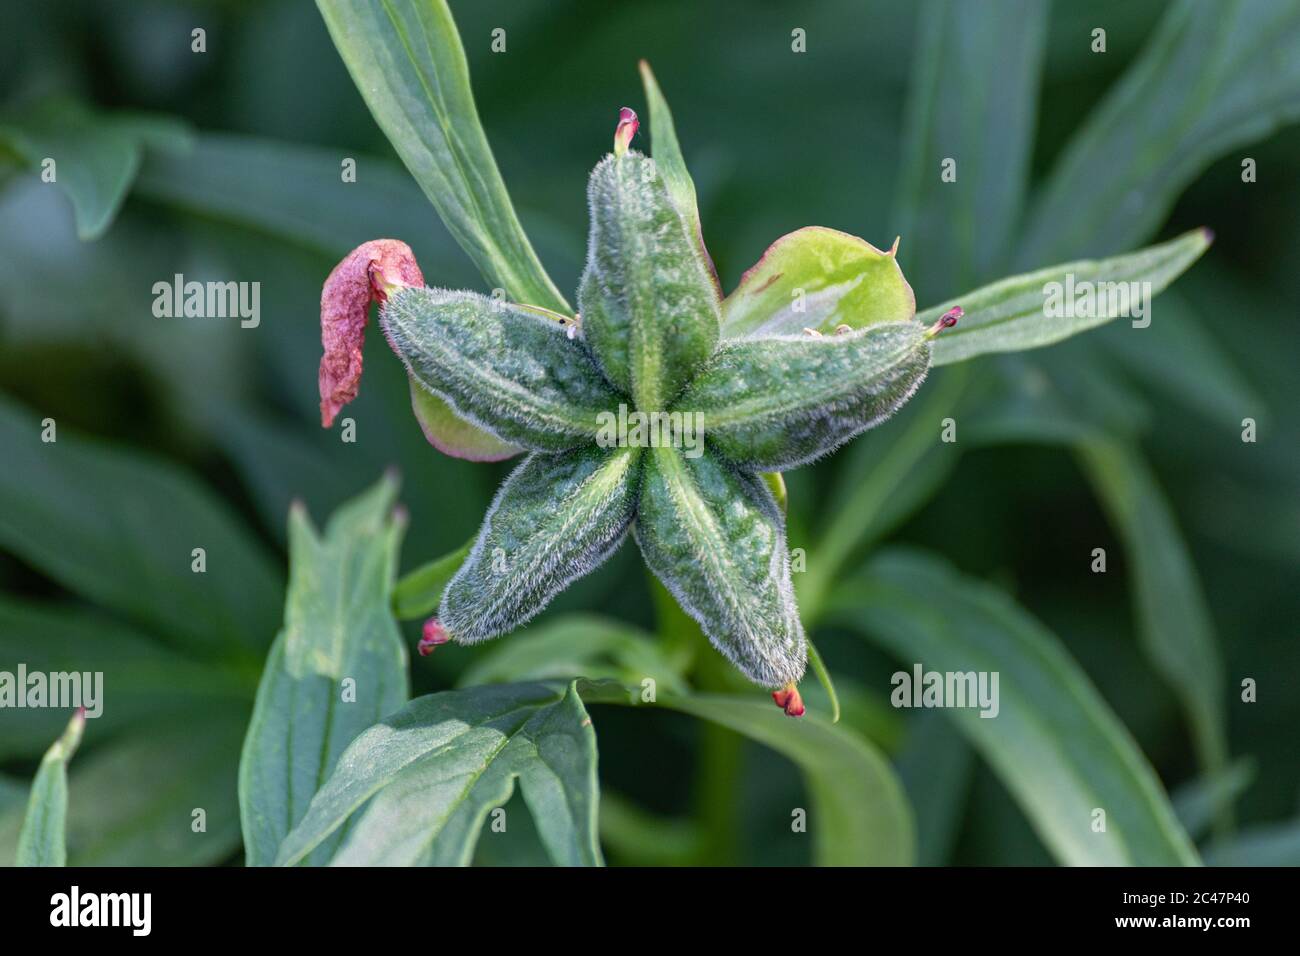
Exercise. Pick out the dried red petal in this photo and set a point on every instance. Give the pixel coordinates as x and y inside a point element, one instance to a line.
<point>364,276</point>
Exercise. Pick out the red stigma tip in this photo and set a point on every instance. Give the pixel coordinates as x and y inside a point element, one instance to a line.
<point>626,129</point>
<point>947,320</point>
<point>788,699</point>
<point>434,634</point>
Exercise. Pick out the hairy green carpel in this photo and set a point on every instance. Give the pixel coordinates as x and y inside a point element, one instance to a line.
<point>660,410</point>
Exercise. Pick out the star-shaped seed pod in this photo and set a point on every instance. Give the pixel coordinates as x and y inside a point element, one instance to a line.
<point>640,414</point>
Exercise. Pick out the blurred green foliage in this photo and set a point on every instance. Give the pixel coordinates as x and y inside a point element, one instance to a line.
<point>226,165</point>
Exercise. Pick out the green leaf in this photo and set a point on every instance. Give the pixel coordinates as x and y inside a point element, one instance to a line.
<point>43,840</point>
<point>556,519</point>
<point>773,404</point>
<point>1016,313</point>
<point>189,762</point>
<point>120,528</point>
<point>577,645</point>
<point>667,153</point>
<point>817,278</point>
<point>649,308</point>
<point>716,540</point>
<point>1174,622</point>
<point>407,61</point>
<point>1273,844</point>
<point>142,680</point>
<point>1054,743</point>
<point>1175,630</point>
<point>1179,356</point>
<point>859,814</point>
<point>824,678</point>
<point>426,778</point>
<point>1201,801</point>
<point>503,368</point>
<point>973,100</point>
<point>936,765</point>
<point>95,156</point>
<point>296,193</point>
<point>417,592</point>
<point>338,666</point>
<point>1216,76</point>
<point>643,838</point>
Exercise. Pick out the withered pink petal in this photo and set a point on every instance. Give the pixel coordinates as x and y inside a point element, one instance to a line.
<point>361,278</point>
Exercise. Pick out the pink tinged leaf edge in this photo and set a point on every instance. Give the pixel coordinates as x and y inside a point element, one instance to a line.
<point>365,275</point>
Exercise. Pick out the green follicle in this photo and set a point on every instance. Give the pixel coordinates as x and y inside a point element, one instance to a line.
<point>706,510</point>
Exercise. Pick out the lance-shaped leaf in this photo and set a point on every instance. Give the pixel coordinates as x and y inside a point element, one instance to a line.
<point>43,840</point>
<point>407,60</point>
<point>1214,76</point>
<point>338,666</point>
<point>818,278</point>
<point>429,775</point>
<point>972,100</point>
<point>859,811</point>
<point>131,802</point>
<point>556,518</point>
<point>668,159</point>
<point>502,367</point>
<point>118,528</point>
<point>777,403</point>
<point>94,157</point>
<point>649,308</point>
<point>1039,308</point>
<point>1053,741</point>
<point>716,539</point>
